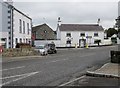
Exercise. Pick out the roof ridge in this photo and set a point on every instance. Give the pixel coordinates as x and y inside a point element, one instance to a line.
<point>82,24</point>
<point>81,27</point>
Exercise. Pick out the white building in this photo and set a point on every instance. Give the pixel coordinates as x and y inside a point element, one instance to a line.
<point>79,34</point>
<point>15,26</point>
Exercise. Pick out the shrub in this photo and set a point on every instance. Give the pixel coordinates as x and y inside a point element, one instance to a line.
<point>23,45</point>
<point>98,41</point>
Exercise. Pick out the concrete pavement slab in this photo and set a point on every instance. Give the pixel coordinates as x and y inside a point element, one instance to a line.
<point>107,70</point>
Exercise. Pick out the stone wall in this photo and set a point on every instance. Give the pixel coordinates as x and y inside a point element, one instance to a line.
<point>19,52</point>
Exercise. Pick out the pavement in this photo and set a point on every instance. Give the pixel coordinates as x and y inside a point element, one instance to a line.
<point>107,70</point>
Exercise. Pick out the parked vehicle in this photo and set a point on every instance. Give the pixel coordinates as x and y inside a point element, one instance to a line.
<point>42,49</point>
<point>51,48</point>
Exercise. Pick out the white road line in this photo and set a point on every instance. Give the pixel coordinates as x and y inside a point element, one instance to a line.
<point>23,58</point>
<point>23,76</point>
<point>12,68</point>
<point>57,60</point>
<point>15,76</point>
<point>72,81</point>
<point>69,58</point>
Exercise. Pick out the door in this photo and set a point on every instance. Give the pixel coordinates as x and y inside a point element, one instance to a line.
<point>82,42</point>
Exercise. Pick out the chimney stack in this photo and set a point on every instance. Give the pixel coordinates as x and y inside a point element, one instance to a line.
<point>59,21</point>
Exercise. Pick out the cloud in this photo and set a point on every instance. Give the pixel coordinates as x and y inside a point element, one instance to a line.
<point>70,12</point>
<point>65,0</point>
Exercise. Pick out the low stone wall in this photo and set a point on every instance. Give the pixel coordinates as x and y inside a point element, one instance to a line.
<point>19,52</point>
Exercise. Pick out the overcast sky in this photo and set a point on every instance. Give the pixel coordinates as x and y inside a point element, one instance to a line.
<point>70,11</point>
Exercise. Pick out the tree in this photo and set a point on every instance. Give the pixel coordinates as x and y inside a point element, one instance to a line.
<point>111,31</point>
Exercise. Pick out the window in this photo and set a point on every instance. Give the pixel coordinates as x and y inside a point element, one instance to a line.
<point>95,34</point>
<point>8,27</point>
<point>28,28</point>
<point>23,27</point>
<point>20,26</point>
<point>8,22</point>
<point>8,16</point>
<point>3,39</point>
<point>68,42</point>
<point>16,40</point>
<point>9,11</point>
<point>68,35</point>
<point>82,34</point>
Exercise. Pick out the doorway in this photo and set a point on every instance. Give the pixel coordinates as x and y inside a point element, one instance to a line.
<point>82,43</point>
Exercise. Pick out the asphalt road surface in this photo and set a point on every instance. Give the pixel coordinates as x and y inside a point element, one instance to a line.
<point>53,69</point>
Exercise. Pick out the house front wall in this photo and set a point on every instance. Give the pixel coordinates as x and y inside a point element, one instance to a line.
<point>22,36</point>
<point>4,24</point>
<point>58,34</point>
<point>43,32</point>
<point>75,37</point>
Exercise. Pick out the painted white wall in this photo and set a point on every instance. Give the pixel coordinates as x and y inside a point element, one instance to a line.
<point>40,42</point>
<point>119,8</point>
<point>4,22</point>
<point>75,36</point>
<point>4,17</point>
<point>118,41</point>
<point>58,33</point>
<point>16,32</point>
<point>5,35</point>
<point>107,41</point>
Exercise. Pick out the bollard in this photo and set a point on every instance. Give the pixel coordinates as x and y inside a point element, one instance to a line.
<point>87,46</point>
<point>75,45</point>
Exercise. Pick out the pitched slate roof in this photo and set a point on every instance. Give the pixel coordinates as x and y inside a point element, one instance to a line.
<point>80,27</point>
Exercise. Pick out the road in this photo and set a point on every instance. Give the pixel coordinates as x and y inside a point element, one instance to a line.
<point>54,69</point>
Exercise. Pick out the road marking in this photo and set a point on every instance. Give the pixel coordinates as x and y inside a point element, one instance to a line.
<point>12,68</point>
<point>16,76</point>
<point>72,81</point>
<point>23,58</point>
<point>58,60</point>
<point>69,58</point>
<point>23,76</point>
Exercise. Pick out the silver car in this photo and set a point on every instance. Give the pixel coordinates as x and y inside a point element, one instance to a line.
<point>42,49</point>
